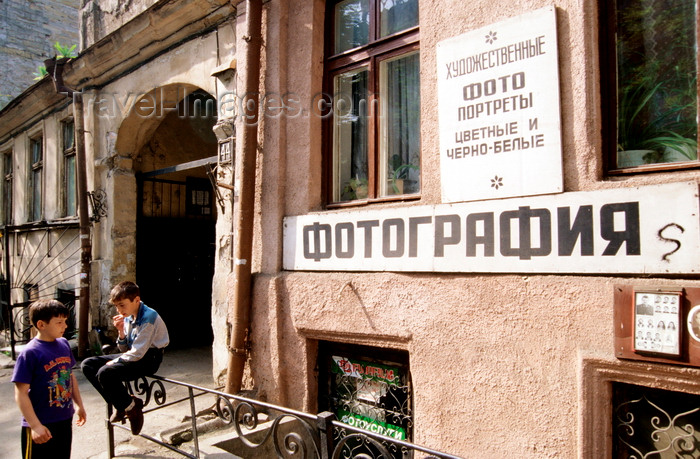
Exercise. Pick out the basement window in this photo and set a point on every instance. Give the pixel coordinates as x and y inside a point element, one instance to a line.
<point>368,388</point>
<point>655,423</point>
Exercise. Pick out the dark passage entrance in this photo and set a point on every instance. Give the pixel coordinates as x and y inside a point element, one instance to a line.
<point>175,262</point>
<point>176,219</point>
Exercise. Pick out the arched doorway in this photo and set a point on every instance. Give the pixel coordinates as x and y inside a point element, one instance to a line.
<point>176,216</point>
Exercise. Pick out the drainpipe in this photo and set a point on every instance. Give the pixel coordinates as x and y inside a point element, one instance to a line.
<point>54,68</point>
<point>243,208</point>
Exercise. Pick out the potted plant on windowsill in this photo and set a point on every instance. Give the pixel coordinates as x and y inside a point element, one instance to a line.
<point>399,173</point>
<point>355,188</point>
<point>648,134</point>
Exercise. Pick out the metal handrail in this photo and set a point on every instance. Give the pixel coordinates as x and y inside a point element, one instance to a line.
<point>321,435</point>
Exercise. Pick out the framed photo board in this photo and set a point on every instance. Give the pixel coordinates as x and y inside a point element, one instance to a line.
<point>657,322</point>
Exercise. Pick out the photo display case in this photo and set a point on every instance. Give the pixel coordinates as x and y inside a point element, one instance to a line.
<point>657,322</point>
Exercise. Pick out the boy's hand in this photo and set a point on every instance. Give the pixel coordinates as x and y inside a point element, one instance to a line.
<point>118,322</point>
<point>41,434</point>
<point>82,415</point>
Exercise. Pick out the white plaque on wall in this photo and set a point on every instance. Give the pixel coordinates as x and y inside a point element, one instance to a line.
<point>498,102</point>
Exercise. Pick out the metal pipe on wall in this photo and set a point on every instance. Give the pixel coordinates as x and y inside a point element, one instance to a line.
<point>243,209</point>
<point>54,68</point>
<point>84,221</point>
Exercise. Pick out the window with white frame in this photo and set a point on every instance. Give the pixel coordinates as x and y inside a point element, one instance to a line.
<point>69,194</point>
<point>373,79</point>
<point>36,182</point>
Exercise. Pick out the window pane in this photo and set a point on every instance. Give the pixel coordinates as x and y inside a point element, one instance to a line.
<point>7,190</point>
<point>7,166</point>
<point>35,179</point>
<point>379,401</point>
<point>350,164</point>
<point>351,24</point>
<point>400,125</point>
<point>369,388</point>
<point>657,82</point>
<point>68,136</point>
<point>397,15</point>
<point>36,195</point>
<point>36,151</point>
<point>70,195</point>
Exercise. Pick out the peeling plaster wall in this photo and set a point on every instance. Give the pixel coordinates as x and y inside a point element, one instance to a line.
<point>496,359</point>
<point>132,49</point>
<point>99,18</point>
<point>120,147</point>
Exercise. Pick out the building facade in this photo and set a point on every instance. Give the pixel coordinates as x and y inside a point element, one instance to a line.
<point>435,219</point>
<point>22,53</point>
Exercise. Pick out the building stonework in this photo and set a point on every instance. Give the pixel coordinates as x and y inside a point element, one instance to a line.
<point>28,31</point>
<point>99,18</point>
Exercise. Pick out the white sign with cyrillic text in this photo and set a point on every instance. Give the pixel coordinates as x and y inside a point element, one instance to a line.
<point>642,230</point>
<point>498,103</point>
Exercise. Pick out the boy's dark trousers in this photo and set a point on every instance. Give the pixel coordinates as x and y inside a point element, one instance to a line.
<point>108,379</point>
<point>57,448</point>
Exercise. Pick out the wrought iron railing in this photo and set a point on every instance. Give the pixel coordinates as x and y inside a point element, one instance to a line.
<point>267,430</point>
<point>15,324</point>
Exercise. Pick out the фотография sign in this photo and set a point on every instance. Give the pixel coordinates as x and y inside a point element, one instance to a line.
<point>652,229</point>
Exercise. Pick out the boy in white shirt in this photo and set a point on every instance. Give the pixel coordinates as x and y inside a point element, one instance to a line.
<point>142,338</point>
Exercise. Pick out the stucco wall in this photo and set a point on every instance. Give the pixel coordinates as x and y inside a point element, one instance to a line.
<point>495,359</point>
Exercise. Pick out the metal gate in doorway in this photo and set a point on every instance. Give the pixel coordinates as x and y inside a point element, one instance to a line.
<point>175,249</point>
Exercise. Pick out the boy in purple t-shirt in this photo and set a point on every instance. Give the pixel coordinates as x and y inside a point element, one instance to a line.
<point>46,389</point>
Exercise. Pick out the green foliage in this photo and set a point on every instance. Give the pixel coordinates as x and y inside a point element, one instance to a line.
<point>399,171</point>
<point>657,78</point>
<point>355,188</point>
<point>40,72</point>
<point>651,117</point>
<point>64,51</point>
